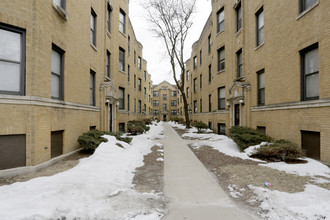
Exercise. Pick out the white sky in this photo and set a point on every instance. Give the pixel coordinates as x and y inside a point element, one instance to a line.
<point>153,48</point>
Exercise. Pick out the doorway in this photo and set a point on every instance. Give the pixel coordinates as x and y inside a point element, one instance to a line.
<point>237,114</point>
<point>56,143</point>
<point>110,118</point>
<point>164,117</point>
<point>310,142</point>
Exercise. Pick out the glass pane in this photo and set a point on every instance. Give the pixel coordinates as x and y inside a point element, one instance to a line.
<point>92,22</point>
<point>262,96</point>
<point>9,77</point>
<point>92,81</point>
<point>121,93</point>
<point>91,95</point>
<point>55,86</point>
<point>222,93</point>
<point>222,54</point>
<point>261,20</point>
<point>222,26</point>
<point>312,86</point>
<point>260,36</point>
<point>56,62</point>
<point>261,80</point>
<point>312,61</point>
<point>10,45</point>
<point>309,3</point>
<point>222,103</point>
<point>222,16</point>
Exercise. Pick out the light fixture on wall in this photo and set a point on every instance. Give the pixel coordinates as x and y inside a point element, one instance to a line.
<point>228,104</point>
<point>241,101</point>
<point>107,101</point>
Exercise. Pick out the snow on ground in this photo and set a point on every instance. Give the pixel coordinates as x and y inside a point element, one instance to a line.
<point>313,203</point>
<point>99,187</point>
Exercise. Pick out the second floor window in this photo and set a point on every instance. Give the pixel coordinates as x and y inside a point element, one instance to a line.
<point>260,26</point>
<point>121,98</point>
<point>221,98</point>
<point>221,20</point>
<point>108,64</point>
<point>122,21</point>
<point>57,73</point>
<point>239,64</point>
<point>195,106</point>
<point>261,87</point>
<point>92,88</point>
<point>93,28</point>
<point>210,103</point>
<point>121,59</point>
<point>200,81</point>
<point>221,59</point>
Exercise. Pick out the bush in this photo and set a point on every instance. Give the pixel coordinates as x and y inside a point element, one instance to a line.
<point>245,137</point>
<point>147,121</point>
<point>137,127</point>
<point>200,125</point>
<point>92,139</point>
<point>281,150</point>
<point>178,120</point>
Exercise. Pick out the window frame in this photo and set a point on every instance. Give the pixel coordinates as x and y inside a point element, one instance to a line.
<point>93,28</point>
<point>61,76</point>
<point>210,102</point>
<point>303,7</point>
<point>139,84</point>
<point>108,63</point>
<point>221,100</point>
<point>109,10</point>
<point>201,105</point>
<point>92,88</point>
<point>195,84</point>
<point>239,57</point>
<point>261,90</point>
<point>195,62</point>
<point>239,17</point>
<point>122,24</point>
<point>209,42</point>
<point>261,29</point>
<point>210,73</point>
<point>121,59</point>
<point>139,63</point>
<point>220,22</point>
<point>223,125</point>
<point>201,81</point>
<point>22,62</point>
<point>121,100</point>
<point>220,61</point>
<point>164,97</point>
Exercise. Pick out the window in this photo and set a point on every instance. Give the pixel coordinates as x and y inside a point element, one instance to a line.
<point>108,64</point>
<point>60,3</point>
<point>210,125</point>
<point>195,106</point>
<point>121,127</point>
<point>173,93</point>
<point>121,59</point>
<point>57,73</point>
<point>156,112</point>
<point>139,63</point>
<point>128,102</point>
<point>221,20</point>
<point>93,28</point>
<point>310,72</point>
<point>221,59</point>
<point>92,88</point>
<point>239,63</point>
<point>129,44</point>
<point>209,40</point>
<point>221,98</point>
<point>260,26</point>
<point>139,106</point>
<point>200,57</point>
<point>128,72</point>
<point>134,58</point>
<point>144,108</point>
<point>188,75</point>
<point>135,81</point>
<point>173,112</point>
<point>134,104</point>
<point>195,85</point>
<point>122,21</point>
<point>12,61</point>
<point>200,81</point>
<point>145,76</point>
<point>139,85</point>
<point>155,93</point>
<point>164,97</point>
<point>109,18</point>
<point>261,129</point>
<point>305,4</point>
<point>238,17</point>
<point>210,73</point>
<point>164,106</point>
<point>187,92</point>
<point>261,87</point>
<point>149,86</point>
<point>201,105</point>
<point>145,92</point>
<point>195,62</point>
<point>221,129</point>
<point>173,103</point>
<point>155,102</point>
<point>210,103</point>
<point>121,98</point>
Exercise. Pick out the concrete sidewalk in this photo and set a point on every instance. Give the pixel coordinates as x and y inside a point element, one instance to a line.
<point>192,191</point>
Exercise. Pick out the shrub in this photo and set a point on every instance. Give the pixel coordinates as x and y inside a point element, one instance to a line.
<point>199,125</point>
<point>92,139</point>
<point>245,137</point>
<point>137,127</point>
<point>281,150</point>
<point>147,121</point>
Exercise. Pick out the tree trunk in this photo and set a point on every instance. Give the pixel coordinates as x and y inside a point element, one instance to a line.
<point>186,110</point>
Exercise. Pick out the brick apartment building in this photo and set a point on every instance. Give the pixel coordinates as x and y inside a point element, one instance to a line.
<point>66,68</point>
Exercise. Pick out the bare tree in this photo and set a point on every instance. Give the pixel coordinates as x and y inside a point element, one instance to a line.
<point>171,21</point>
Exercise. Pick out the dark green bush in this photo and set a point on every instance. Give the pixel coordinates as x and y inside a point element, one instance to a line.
<point>147,121</point>
<point>137,127</point>
<point>92,139</point>
<point>245,137</point>
<point>200,125</point>
<point>178,120</point>
<point>281,150</point>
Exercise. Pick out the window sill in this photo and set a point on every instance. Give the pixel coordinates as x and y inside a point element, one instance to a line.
<point>220,32</point>
<point>122,71</point>
<point>258,47</point>
<point>307,10</point>
<point>122,33</point>
<point>107,79</point>
<point>238,32</point>
<point>93,46</point>
<point>61,11</point>
<point>221,71</point>
<point>109,34</point>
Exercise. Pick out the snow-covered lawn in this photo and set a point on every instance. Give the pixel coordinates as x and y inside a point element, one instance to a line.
<point>313,203</point>
<point>99,187</point>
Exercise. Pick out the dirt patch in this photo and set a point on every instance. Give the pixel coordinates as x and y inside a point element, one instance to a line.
<point>68,163</point>
<point>234,175</point>
<point>150,177</point>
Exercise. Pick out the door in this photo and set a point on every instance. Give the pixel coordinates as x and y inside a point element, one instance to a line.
<point>164,117</point>
<point>12,151</point>
<point>56,143</point>
<point>237,114</point>
<point>110,117</point>
<point>310,142</point>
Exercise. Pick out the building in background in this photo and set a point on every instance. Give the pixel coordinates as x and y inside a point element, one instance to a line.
<point>66,68</point>
<point>265,65</point>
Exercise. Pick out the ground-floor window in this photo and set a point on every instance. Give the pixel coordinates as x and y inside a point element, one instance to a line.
<point>310,142</point>
<point>121,127</point>
<point>221,129</point>
<point>56,143</point>
<point>261,129</point>
<point>12,151</point>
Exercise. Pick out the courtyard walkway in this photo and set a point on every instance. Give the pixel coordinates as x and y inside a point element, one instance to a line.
<point>193,192</point>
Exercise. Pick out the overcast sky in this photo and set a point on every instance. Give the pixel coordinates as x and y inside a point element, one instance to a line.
<point>153,48</point>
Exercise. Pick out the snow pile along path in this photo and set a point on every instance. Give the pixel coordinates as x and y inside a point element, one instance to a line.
<point>99,187</point>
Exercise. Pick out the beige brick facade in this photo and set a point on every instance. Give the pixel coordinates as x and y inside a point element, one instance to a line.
<point>34,113</point>
<point>288,32</point>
